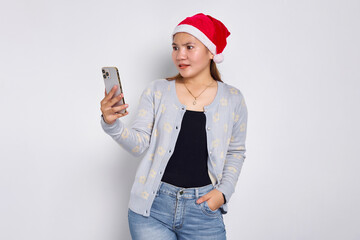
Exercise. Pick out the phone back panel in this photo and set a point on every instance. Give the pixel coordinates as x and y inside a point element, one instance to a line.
<point>111,77</point>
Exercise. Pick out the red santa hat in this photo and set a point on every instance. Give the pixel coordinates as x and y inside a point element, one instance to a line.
<point>208,30</point>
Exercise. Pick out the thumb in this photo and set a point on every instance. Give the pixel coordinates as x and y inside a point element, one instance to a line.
<point>202,199</point>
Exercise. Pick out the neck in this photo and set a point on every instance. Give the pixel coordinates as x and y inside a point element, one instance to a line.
<point>198,82</point>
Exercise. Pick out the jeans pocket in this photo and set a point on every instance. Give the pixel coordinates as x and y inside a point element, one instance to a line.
<point>207,206</point>
<point>208,211</point>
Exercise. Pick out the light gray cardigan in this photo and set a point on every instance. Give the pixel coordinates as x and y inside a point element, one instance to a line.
<point>154,132</point>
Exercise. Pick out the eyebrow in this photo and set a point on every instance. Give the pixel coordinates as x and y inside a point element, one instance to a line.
<point>184,44</point>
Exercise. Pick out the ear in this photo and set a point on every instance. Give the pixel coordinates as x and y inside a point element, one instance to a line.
<point>211,55</point>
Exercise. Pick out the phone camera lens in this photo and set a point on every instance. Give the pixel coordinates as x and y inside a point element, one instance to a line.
<point>104,76</point>
<point>107,74</point>
<point>103,71</point>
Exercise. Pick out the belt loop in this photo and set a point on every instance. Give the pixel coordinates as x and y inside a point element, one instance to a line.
<point>197,193</point>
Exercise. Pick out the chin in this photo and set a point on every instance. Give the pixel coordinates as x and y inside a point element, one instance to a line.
<point>186,74</point>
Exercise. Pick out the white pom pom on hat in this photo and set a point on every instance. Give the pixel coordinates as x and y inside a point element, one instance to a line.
<point>218,58</point>
<point>208,30</point>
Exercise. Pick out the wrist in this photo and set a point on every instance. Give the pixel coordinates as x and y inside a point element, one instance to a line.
<point>104,119</point>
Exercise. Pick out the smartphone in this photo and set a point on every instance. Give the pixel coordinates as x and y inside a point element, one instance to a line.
<point>112,78</point>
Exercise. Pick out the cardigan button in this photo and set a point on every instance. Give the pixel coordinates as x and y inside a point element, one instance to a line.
<point>208,128</point>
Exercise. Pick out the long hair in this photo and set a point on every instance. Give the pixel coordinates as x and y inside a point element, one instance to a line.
<point>215,74</point>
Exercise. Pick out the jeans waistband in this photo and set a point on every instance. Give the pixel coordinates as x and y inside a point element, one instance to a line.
<point>190,193</point>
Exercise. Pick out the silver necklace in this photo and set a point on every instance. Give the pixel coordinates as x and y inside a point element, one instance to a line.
<point>199,94</point>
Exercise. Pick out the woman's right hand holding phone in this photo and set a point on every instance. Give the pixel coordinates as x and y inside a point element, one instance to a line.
<point>108,111</point>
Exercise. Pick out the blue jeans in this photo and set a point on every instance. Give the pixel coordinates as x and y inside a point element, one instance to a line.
<point>175,214</point>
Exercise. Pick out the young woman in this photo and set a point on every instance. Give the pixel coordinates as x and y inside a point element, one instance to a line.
<point>190,131</point>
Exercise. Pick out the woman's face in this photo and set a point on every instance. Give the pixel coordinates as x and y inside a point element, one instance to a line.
<point>190,56</point>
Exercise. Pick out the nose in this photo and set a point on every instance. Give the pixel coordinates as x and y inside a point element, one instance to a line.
<point>181,54</point>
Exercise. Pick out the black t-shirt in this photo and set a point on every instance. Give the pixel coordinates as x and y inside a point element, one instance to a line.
<point>187,166</point>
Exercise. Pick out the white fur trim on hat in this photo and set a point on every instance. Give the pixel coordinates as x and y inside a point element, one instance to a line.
<point>199,35</point>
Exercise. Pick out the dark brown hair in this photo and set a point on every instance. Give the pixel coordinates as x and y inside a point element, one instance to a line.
<point>215,74</point>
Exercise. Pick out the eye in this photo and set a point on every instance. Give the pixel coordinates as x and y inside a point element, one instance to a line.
<point>174,48</point>
<point>190,47</point>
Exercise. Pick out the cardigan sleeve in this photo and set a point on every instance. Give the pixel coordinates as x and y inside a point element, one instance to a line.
<point>136,138</point>
<point>235,155</point>
<point>224,198</point>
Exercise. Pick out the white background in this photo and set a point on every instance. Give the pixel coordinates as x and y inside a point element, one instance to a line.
<point>296,63</point>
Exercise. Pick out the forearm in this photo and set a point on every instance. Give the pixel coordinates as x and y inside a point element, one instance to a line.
<point>133,140</point>
<point>230,174</point>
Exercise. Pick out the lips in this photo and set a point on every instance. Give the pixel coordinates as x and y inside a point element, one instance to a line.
<point>182,66</point>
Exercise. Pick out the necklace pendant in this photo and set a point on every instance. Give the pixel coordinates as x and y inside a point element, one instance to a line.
<point>194,102</point>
